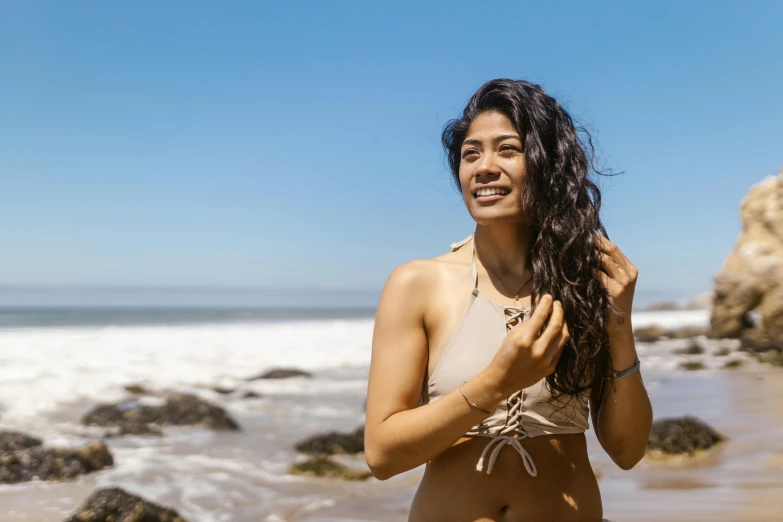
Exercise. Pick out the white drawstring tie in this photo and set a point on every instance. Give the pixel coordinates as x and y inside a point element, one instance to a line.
<point>502,440</point>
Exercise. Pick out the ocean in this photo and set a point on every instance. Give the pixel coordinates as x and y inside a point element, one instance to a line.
<point>58,363</point>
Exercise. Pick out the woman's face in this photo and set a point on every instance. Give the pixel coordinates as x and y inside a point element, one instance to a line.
<point>492,170</point>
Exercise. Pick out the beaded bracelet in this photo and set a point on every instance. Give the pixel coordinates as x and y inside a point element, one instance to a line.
<point>473,404</point>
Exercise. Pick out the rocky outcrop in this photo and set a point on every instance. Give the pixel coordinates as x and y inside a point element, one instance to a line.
<point>133,417</point>
<point>752,275</point>
<point>23,458</point>
<point>333,442</point>
<point>684,435</point>
<point>117,505</point>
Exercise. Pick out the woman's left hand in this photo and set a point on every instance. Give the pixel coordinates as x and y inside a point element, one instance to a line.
<point>618,276</point>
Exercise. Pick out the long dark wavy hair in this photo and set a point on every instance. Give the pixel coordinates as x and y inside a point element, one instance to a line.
<point>563,205</point>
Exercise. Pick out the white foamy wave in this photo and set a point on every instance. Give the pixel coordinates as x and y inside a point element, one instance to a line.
<point>670,319</point>
<point>43,368</point>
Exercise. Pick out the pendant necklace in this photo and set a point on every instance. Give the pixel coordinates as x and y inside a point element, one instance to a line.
<point>516,294</point>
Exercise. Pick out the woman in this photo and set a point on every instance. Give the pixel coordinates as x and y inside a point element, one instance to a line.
<point>485,358</point>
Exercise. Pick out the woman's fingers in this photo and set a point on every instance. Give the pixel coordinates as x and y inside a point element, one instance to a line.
<point>530,329</point>
<point>552,351</point>
<point>610,265</point>
<point>554,326</point>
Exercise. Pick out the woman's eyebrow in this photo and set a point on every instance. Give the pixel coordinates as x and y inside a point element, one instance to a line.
<point>495,139</point>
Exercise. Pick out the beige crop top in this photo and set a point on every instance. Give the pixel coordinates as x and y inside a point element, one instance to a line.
<point>525,413</point>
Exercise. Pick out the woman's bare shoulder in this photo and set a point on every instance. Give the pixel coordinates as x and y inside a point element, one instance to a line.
<point>426,274</point>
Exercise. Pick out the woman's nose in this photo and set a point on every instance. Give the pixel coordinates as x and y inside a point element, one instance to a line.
<point>487,165</point>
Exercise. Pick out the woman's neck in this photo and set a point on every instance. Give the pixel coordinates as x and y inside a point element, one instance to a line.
<point>505,248</point>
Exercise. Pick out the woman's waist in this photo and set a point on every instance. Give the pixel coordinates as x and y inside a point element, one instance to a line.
<point>564,480</point>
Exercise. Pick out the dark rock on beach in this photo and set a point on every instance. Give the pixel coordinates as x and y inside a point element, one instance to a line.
<point>54,464</point>
<point>649,334</point>
<point>333,442</point>
<point>687,332</point>
<point>281,373</point>
<point>693,348</point>
<point>322,466</point>
<point>136,389</point>
<point>13,441</point>
<point>117,505</point>
<point>692,365</point>
<point>132,417</point>
<point>683,435</point>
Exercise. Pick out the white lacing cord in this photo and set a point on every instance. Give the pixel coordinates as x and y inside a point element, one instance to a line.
<point>502,440</point>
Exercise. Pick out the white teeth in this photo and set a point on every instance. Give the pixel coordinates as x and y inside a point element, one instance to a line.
<point>491,191</point>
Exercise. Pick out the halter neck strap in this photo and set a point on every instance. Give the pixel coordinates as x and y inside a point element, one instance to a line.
<point>474,268</point>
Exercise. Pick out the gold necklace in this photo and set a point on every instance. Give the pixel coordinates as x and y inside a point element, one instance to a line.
<point>516,294</point>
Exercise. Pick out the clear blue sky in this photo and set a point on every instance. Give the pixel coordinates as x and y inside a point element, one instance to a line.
<point>297,144</point>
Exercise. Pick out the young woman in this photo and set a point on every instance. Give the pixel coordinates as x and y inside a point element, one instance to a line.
<point>485,358</point>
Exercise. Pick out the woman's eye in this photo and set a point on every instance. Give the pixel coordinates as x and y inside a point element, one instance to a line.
<point>508,147</point>
<point>468,153</point>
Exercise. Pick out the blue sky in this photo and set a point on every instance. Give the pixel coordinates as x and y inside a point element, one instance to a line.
<point>253,144</point>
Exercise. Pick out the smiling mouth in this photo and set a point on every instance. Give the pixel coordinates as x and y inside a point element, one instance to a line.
<point>489,195</point>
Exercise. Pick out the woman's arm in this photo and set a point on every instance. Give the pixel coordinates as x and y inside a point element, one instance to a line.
<point>400,436</point>
<point>622,416</point>
<point>621,409</point>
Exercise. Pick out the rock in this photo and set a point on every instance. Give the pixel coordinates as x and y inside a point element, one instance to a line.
<point>649,334</point>
<point>683,435</point>
<point>702,301</point>
<point>54,464</point>
<point>757,340</point>
<point>773,357</point>
<point>135,428</point>
<point>687,332</point>
<point>281,373</point>
<point>223,390</point>
<point>321,466</point>
<point>751,277</point>
<point>691,349</point>
<point>733,363</point>
<point>179,410</point>
<point>333,442</point>
<point>13,441</point>
<point>692,365</point>
<point>136,389</point>
<point>117,505</point>
<point>722,352</point>
<point>250,394</point>
<point>662,306</point>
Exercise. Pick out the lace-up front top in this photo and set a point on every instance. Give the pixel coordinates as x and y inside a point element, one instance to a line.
<point>525,413</point>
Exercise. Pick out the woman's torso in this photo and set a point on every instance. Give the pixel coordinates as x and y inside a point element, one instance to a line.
<point>452,489</point>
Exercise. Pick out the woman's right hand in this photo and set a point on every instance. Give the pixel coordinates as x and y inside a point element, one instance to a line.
<point>527,355</point>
